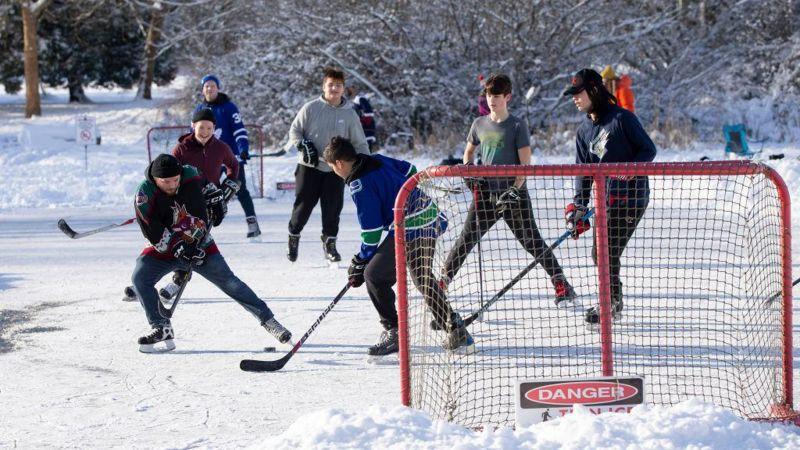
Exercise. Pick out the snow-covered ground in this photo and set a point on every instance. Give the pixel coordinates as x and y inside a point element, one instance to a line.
<point>71,375</point>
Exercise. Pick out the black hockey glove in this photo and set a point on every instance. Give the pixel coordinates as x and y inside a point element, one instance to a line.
<point>474,183</point>
<point>244,155</point>
<point>229,189</point>
<point>309,152</point>
<point>217,212</point>
<point>509,200</point>
<point>213,195</point>
<point>355,273</point>
<point>188,253</point>
<point>574,215</point>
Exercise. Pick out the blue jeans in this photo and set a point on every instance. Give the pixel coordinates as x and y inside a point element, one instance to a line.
<point>149,270</point>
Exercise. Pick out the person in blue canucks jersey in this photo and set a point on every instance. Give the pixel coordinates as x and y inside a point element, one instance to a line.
<point>230,129</point>
<point>374,181</point>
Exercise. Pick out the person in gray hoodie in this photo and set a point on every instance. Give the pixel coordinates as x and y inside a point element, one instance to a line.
<point>316,123</point>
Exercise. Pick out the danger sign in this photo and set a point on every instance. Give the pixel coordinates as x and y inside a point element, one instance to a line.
<point>543,400</point>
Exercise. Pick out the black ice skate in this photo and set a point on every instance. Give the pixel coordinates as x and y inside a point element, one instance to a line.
<point>565,295</point>
<point>458,338</point>
<point>329,247</point>
<point>152,343</point>
<point>172,288</point>
<point>130,295</point>
<point>387,345</point>
<point>277,330</point>
<point>253,231</point>
<point>593,314</point>
<point>294,243</point>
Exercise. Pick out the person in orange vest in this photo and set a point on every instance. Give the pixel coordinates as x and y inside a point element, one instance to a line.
<point>621,87</point>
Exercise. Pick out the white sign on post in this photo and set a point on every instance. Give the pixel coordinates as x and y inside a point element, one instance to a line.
<point>86,134</point>
<point>86,130</point>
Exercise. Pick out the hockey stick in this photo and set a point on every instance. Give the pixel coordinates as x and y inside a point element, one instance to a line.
<point>472,317</point>
<point>775,296</point>
<point>64,226</point>
<point>167,312</point>
<point>253,365</point>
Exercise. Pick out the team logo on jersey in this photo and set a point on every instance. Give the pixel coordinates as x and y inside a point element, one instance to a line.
<point>598,144</point>
<point>141,198</point>
<point>355,186</point>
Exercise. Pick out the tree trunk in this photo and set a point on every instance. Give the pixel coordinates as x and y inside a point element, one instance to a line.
<point>33,104</point>
<point>150,49</point>
<point>76,93</point>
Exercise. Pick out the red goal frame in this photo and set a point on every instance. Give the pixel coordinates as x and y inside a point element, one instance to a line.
<point>600,172</point>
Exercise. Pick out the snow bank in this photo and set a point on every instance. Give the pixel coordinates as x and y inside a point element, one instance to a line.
<point>691,424</point>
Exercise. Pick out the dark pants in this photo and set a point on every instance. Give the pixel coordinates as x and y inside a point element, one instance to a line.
<point>314,186</point>
<point>244,195</point>
<point>380,276</point>
<point>149,270</point>
<point>622,221</point>
<point>482,216</point>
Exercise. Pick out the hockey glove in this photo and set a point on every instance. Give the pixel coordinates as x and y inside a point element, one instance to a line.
<point>188,253</point>
<point>355,273</point>
<point>509,200</point>
<point>574,215</point>
<point>213,195</point>
<point>229,189</point>
<point>244,155</point>
<point>309,152</point>
<point>474,183</point>
<point>217,212</point>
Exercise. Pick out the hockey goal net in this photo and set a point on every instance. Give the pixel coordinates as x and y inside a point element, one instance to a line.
<point>162,139</point>
<point>704,278</point>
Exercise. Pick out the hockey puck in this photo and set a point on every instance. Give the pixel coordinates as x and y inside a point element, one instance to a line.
<point>269,349</point>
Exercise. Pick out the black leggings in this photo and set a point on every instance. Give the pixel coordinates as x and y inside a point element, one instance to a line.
<point>380,277</point>
<point>622,222</point>
<point>519,220</point>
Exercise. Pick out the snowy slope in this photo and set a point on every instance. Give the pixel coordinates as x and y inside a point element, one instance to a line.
<point>71,374</point>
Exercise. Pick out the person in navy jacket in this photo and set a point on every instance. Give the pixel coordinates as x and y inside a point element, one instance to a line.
<point>366,115</point>
<point>374,182</point>
<point>610,134</point>
<point>230,129</point>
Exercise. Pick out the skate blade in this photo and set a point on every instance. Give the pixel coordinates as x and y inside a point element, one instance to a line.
<point>595,327</point>
<point>463,350</point>
<point>125,298</point>
<point>169,345</point>
<point>569,304</point>
<point>383,360</point>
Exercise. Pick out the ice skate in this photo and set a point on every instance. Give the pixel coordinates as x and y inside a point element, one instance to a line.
<point>277,330</point>
<point>160,340</point>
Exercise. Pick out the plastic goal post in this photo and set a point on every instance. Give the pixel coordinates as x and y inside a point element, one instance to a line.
<point>698,253</point>
<point>162,139</point>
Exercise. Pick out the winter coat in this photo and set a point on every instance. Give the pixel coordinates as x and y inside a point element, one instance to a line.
<point>208,158</point>
<point>624,93</point>
<point>229,127</point>
<point>366,115</point>
<point>161,217</point>
<point>616,136</point>
<point>319,122</point>
<point>374,184</point>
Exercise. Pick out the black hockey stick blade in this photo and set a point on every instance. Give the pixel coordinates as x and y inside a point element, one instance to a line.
<point>64,226</point>
<point>253,365</point>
